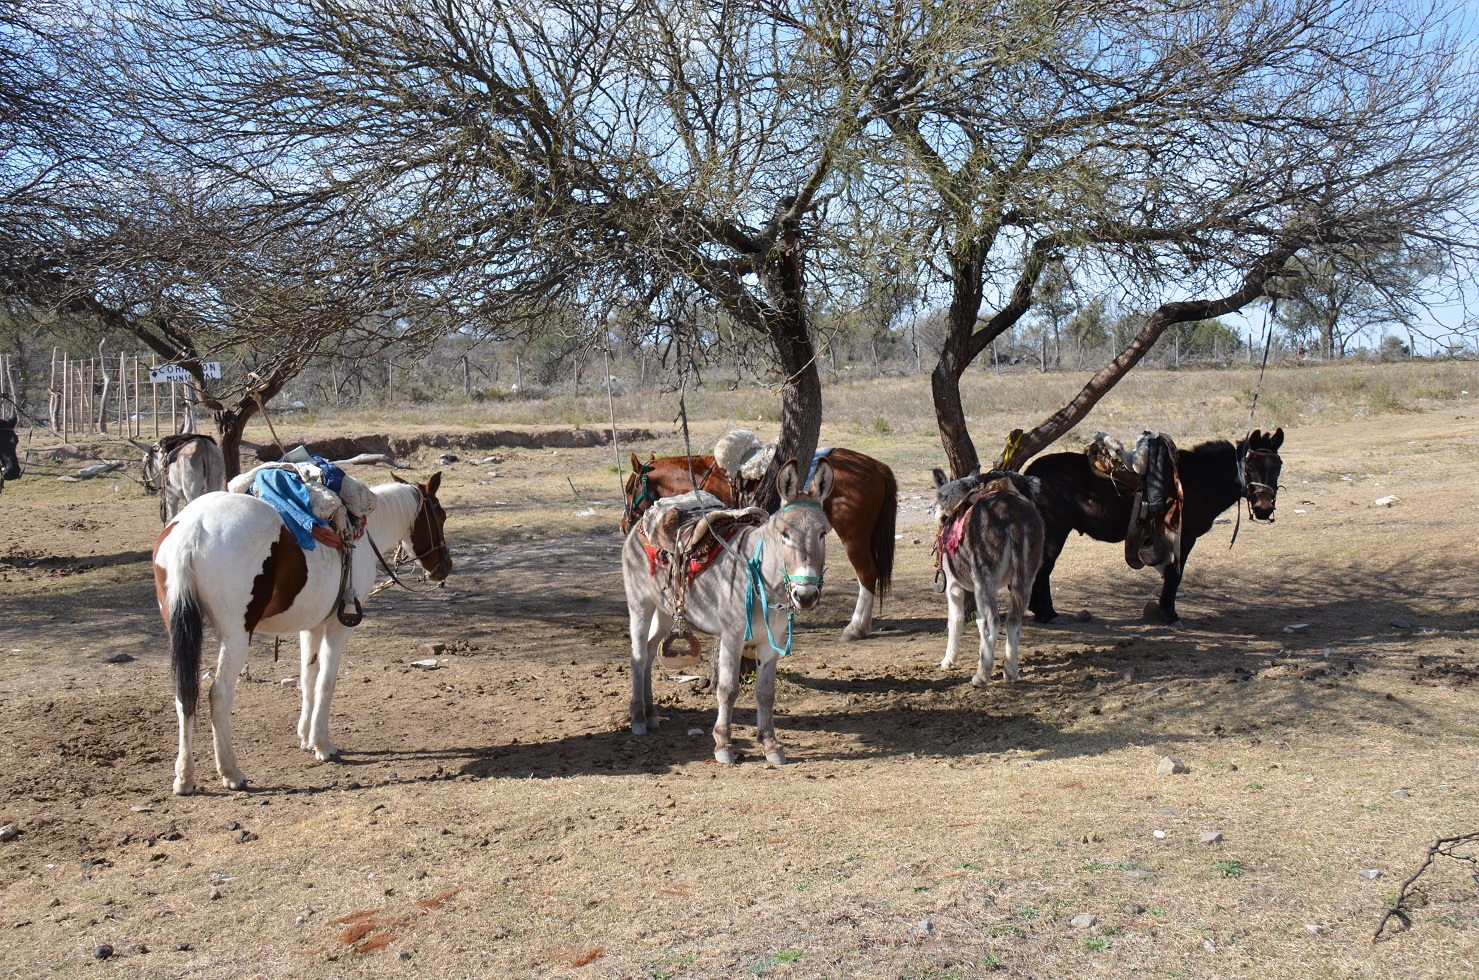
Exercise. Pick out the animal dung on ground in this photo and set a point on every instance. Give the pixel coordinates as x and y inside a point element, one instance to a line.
<point>1390,500</point>
<point>9,832</point>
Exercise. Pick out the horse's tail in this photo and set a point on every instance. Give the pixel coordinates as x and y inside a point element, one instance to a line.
<point>882,542</point>
<point>186,628</point>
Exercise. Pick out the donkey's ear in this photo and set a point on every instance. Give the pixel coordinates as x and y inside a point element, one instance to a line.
<point>939,475</point>
<point>396,477</point>
<point>822,481</point>
<point>433,483</point>
<point>788,482</point>
<point>1277,439</point>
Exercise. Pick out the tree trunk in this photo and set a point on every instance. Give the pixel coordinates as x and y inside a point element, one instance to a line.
<point>785,321</point>
<point>966,269</point>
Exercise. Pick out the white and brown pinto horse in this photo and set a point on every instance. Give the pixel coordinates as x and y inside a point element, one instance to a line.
<point>228,559</point>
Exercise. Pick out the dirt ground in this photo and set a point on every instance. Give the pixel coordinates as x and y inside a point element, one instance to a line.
<point>494,816</point>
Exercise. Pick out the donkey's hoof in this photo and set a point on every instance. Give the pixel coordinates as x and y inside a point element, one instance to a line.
<point>326,753</point>
<point>653,721</point>
<point>854,633</point>
<point>639,728</point>
<point>183,788</point>
<point>776,757</point>
<point>979,681</point>
<point>1178,625</point>
<point>724,756</point>
<point>234,783</point>
<point>947,664</point>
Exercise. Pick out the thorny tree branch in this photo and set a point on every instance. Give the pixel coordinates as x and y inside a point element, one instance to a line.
<point>1443,846</point>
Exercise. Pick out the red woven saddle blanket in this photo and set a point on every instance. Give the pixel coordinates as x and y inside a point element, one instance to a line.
<point>952,529</point>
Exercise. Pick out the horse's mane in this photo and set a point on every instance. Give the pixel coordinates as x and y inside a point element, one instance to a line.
<point>401,499</point>
<point>1211,446</point>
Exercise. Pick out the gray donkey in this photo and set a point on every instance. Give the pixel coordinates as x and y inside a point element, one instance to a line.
<point>748,591</point>
<point>990,534</point>
<point>181,468</point>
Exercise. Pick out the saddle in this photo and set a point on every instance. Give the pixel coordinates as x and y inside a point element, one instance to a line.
<point>689,530</point>
<point>1154,535</point>
<point>952,529</point>
<point>1109,459</point>
<point>319,503</point>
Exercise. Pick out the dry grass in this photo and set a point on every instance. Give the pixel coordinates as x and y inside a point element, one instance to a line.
<point>926,829</point>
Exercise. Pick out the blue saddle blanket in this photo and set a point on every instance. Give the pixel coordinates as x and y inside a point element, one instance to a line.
<point>821,454</point>
<point>284,490</point>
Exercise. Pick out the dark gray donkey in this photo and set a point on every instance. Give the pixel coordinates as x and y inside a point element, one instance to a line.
<point>10,464</point>
<point>990,534</point>
<point>748,592</point>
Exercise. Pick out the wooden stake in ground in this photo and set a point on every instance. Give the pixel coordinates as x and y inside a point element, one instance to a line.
<point>174,409</point>
<point>154,394</point>
<point>51,394</point>
<point>136,430</point>
<point>66,393</point>
<point>124,426</point>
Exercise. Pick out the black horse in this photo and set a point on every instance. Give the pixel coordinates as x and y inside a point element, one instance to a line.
<point>10,464</point>
<point>1214,476</point>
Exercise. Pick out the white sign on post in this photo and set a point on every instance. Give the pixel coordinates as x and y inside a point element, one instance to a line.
<point>175,372</point>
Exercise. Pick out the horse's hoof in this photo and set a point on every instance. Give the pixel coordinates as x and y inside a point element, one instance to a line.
<point>947,664</point>
<point>639,728</point>
<point>979,681</point>
<point>1053,619</point>
<point>184,789</point>
<point>776,757</point>
<point>724,756</point>
<point>234,783</point>
<point>852,633</point>
<point>328,753</point>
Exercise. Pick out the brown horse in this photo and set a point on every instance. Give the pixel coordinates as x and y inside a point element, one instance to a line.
<point>862,507</point>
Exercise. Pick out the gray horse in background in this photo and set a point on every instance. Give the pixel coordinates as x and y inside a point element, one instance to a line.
<point>181,468</point>
<point>990,534</point>
<point>728,596</point>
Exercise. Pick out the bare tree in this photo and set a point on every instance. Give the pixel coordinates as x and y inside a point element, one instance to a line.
<point>1173,149</point>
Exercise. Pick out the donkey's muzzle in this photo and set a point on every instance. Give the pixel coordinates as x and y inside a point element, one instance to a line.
<point>13,471</point>
<point>805,596</point>
<point>1262,507</point>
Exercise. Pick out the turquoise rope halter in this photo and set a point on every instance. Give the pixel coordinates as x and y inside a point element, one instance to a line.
<point>756,588</point>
